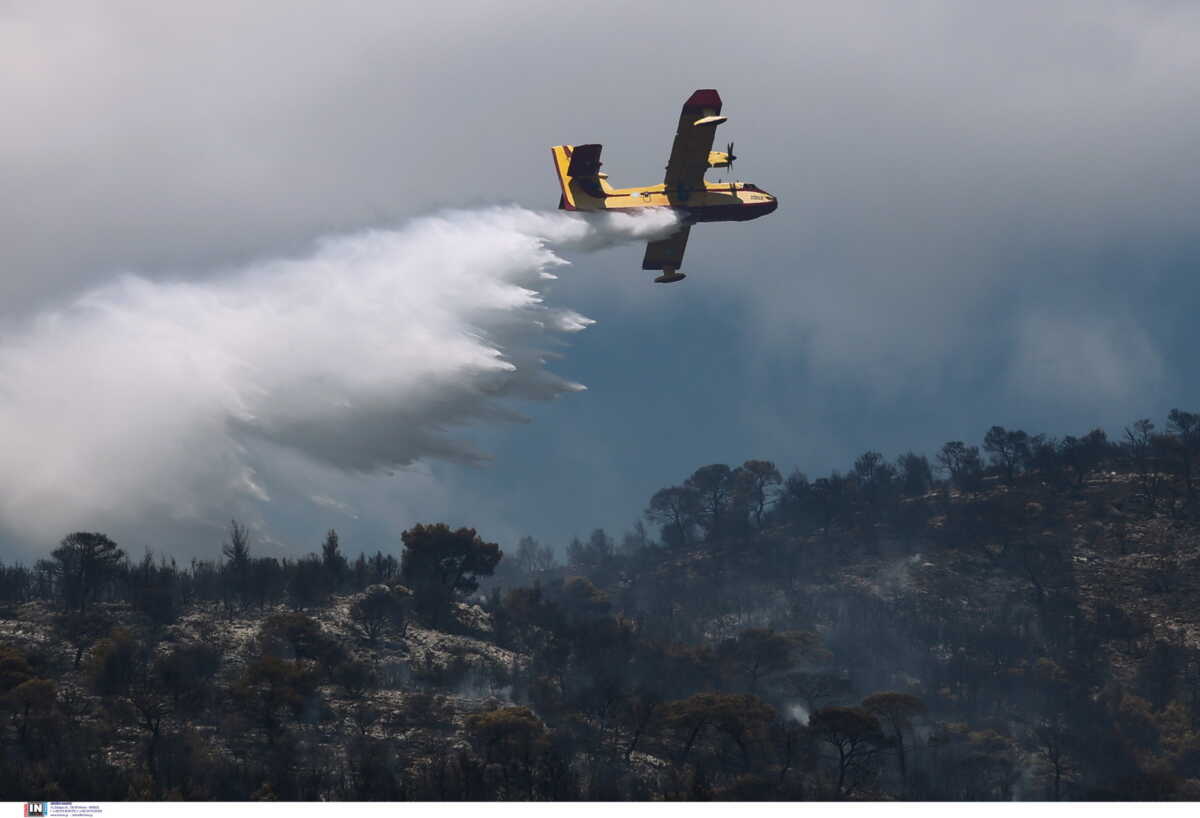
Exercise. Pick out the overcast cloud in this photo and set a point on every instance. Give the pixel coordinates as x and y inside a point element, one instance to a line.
<point>987,214</point>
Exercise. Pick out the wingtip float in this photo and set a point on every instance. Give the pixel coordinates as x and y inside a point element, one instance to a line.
<point>684,188</point>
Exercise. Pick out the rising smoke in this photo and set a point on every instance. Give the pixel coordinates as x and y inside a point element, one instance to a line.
<point>144,399</point>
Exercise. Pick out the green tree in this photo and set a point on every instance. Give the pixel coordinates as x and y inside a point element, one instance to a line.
<point>1053,741</point>
<point>637,712</point>
<point>82,630</point>
<point>268,582</point>
<point>293,636</point>
<point>333,562</point>
<point>22,691</point>
<point>84,563</point>
<point>1009,450</point>
<point>1185,427</point>
<point>740,718</point>
<point>756,483</point>
<point>896,710</point>
<point>830,497</point>
<point>857,737</point>
<point>818,687</point>
<point>151,588</point>
<point>795,501</point>
<point>439,564</point>
<point>758,652</point>
<point>514,739</point>
<point>307,587</point>
<point>915,474</point>
<point>1084,455</point>
<point>875,478</point>
<point>1046,458</point>
<point>596,553</point>
<point>502,731</point>
<point>33,697</point>
<point>236,553</point>
<point>714,486</point>
<point>676,511</point>
<point>1141,444</point>
<point>270,688</point>
<point>114,663</point>
<point>635,541</point>
<point>186,673</point>
<point>382,567</point>
<point>532,557</point>
<point>14,668</point>
<point>961,463</point>
<point>381,609</point>
<point>582,601</point>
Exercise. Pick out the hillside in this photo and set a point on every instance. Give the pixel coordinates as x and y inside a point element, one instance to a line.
<point>1024,629</point>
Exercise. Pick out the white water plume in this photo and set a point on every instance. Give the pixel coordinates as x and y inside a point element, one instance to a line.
<point>148,398</point>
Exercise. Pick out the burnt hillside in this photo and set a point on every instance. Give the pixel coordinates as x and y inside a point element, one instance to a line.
<point>1019,623</point>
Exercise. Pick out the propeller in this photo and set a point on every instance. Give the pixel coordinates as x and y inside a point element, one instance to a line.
<point>729,151</point>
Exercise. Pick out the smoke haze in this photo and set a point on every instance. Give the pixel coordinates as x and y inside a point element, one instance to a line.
<point>166,403</point>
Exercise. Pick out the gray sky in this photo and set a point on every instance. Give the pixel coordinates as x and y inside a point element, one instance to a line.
<point>987,215</point>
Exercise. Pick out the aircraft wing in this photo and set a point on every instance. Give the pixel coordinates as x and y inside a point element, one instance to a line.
<point>693,140</point>
<point>667,253</point>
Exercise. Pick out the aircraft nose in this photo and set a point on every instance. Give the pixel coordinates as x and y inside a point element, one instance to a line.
<point>770,206</point>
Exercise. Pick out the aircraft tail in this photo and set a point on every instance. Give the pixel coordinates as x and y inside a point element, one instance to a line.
<point>579,176</point>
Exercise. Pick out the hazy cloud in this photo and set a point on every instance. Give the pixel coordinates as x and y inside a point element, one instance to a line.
<point>959,183</point>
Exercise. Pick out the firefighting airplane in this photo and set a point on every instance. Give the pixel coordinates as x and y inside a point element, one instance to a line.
<point>684,189</point>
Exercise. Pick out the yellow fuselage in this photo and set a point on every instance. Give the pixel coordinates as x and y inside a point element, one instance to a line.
<point>715,202</point>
